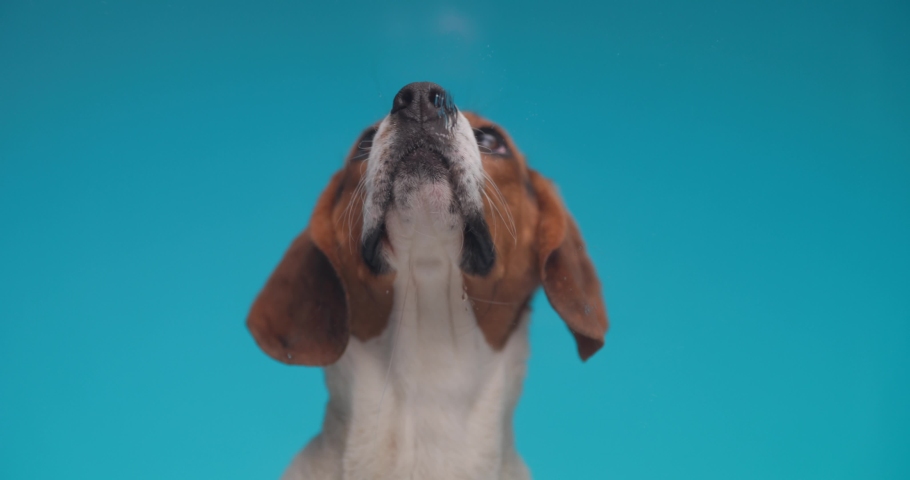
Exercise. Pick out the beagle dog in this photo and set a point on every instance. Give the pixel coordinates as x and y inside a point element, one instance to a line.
<point>411,288</point>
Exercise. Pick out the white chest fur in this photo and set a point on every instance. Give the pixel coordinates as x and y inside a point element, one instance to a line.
<point>429,398</point>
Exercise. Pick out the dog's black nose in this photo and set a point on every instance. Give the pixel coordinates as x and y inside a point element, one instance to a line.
<point>424,102</point>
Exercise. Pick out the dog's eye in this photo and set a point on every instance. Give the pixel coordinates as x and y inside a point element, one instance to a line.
<point>364,144</point>
<point>490,141</point>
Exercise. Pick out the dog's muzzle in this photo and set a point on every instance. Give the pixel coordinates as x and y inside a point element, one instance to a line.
<point>428,147</point>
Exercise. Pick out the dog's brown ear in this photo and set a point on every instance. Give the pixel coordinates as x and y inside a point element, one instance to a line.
<point>567,274</point>
<point>301,315</point>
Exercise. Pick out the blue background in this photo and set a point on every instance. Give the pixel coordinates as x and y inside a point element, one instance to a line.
<point>741,172</point>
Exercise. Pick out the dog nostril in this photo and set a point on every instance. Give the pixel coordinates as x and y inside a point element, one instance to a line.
<point>402,100</point>
<point>436,97</point>
<point>440,101</point>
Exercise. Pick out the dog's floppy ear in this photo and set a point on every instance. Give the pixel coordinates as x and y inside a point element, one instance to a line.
<point>301,315</point>
<point>567,274</point>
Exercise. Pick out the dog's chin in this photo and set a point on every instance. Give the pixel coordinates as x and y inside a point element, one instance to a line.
<point>433,201</point>
<point>430,201</point>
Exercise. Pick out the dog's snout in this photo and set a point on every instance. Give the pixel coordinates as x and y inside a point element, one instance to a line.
<point>423,102</point>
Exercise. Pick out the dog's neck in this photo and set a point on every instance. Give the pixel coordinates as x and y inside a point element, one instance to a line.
<point>429,398</point>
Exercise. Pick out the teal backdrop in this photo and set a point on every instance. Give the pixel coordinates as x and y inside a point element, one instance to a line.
<point>740,170</point>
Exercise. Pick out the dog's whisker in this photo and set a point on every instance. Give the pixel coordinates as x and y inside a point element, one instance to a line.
<point>505,205</point>
<point>348,209</point>
<point>493,209</point>
<point>358,199</point>
<point>347,217</point>
<point>507,219</point>
<point>493,302</point>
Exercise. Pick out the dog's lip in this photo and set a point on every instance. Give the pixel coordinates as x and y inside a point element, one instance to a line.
<point>424,148</point>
